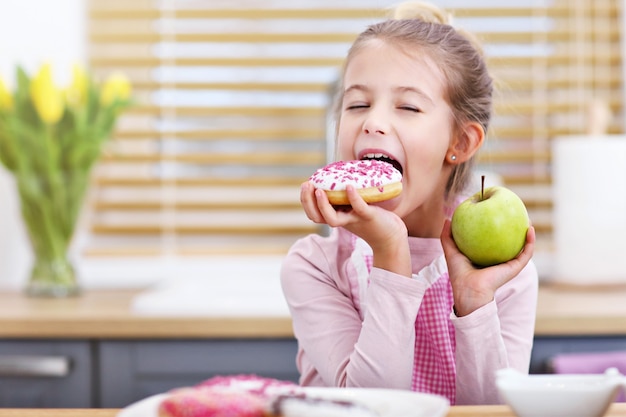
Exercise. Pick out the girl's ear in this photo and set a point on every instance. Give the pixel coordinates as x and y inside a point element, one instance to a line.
<point>464,145</point>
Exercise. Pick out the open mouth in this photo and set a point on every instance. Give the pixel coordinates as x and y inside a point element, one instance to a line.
<point>384,158</point>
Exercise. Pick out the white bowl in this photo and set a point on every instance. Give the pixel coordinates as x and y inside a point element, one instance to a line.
<point>559,395</point>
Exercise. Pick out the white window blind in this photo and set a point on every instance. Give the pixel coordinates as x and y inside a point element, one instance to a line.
<point>232,99</point>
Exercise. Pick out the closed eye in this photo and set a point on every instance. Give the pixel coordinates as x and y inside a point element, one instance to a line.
<point>410,108</point>
<point>357,106</point>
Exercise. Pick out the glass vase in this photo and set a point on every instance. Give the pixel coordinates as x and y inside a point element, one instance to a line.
<point>50,207</point>
<point>52,278</point>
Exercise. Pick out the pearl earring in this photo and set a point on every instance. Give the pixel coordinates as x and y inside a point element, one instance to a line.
<point>453,157</point>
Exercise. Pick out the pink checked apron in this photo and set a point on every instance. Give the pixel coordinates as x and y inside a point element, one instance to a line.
<point>433,368</point>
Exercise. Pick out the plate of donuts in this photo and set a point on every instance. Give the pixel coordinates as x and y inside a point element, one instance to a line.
<point>252,396</point>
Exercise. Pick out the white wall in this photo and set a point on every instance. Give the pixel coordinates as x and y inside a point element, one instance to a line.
<point>37,31</point>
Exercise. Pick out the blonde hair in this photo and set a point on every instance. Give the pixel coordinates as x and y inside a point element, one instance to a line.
<point>420,10</point>
<point>456,53</point>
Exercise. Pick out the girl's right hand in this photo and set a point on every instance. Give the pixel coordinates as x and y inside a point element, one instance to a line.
<point>383,230</point>
<point>310,204</point>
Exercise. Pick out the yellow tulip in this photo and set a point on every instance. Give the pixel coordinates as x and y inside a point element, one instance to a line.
<point>6,99</point>
<point>47,98</point>
<point>116,87</point>
<point>76,92</point>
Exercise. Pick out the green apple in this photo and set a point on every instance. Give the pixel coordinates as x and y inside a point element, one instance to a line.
<point>490,227</point>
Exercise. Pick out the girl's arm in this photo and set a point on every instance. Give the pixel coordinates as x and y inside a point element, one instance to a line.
<point>498,335</point>
<point>342,349</point>
<point>495,309</point>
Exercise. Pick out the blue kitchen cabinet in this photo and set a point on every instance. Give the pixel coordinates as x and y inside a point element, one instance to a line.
<point>113,373</point>
<point>132,370</point>
<point>546,347</point>
<point>46,373</point>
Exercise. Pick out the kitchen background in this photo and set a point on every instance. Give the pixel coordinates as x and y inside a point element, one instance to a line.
<point>202,175</point>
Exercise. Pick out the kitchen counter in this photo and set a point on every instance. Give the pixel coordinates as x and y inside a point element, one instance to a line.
<point>108,315</point>
<point>616,410</point>
<point>58,412</point>
<point>565,310</point>
<point>114,355</point>
<point>561,311</point>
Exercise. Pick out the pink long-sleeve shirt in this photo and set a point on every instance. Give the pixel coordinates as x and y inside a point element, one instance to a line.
<point>359,326</point>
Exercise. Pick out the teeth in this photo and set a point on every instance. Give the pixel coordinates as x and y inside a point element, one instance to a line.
<point>375,156</point>
<point>381,156</point>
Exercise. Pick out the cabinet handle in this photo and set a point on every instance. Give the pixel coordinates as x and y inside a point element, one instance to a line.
<point>34,366</point>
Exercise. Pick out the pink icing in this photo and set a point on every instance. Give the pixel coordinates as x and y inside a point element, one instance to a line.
<point>224,396</point>
<point>361,174</point>
<point>205,402</point>
<point>253,384</point>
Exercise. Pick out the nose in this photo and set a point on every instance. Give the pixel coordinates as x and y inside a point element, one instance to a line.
<point>375,123</point>
<point>369,130</point>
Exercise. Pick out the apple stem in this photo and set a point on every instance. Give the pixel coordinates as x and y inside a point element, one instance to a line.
<point>482,187</point>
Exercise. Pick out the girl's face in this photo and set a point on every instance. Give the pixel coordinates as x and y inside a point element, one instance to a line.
<point>394,105</point>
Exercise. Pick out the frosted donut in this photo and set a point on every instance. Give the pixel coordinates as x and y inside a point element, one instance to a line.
<point>209,402</point>
<point>225,396</point>
<point>374,180</point>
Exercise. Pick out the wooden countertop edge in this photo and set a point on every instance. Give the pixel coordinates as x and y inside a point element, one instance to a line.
<point>227,327</point>
<point>581,326</point>
<point>107,314</point>
<point>615,410</point>
<point>148,327</point>
<point>59,412</point>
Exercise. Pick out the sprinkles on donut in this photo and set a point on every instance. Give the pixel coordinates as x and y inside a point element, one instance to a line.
<point>374,180</point>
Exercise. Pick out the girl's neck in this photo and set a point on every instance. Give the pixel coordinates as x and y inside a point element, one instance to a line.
<point>425,223</point>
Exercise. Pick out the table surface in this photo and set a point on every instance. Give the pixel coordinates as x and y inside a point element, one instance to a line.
<point>616,410</point>
<point>108,314</point>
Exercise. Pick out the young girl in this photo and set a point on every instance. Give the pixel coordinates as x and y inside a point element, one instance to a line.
<point>387,300</point>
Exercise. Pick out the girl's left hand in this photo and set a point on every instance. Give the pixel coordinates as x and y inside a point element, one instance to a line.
<point>474,287</point>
